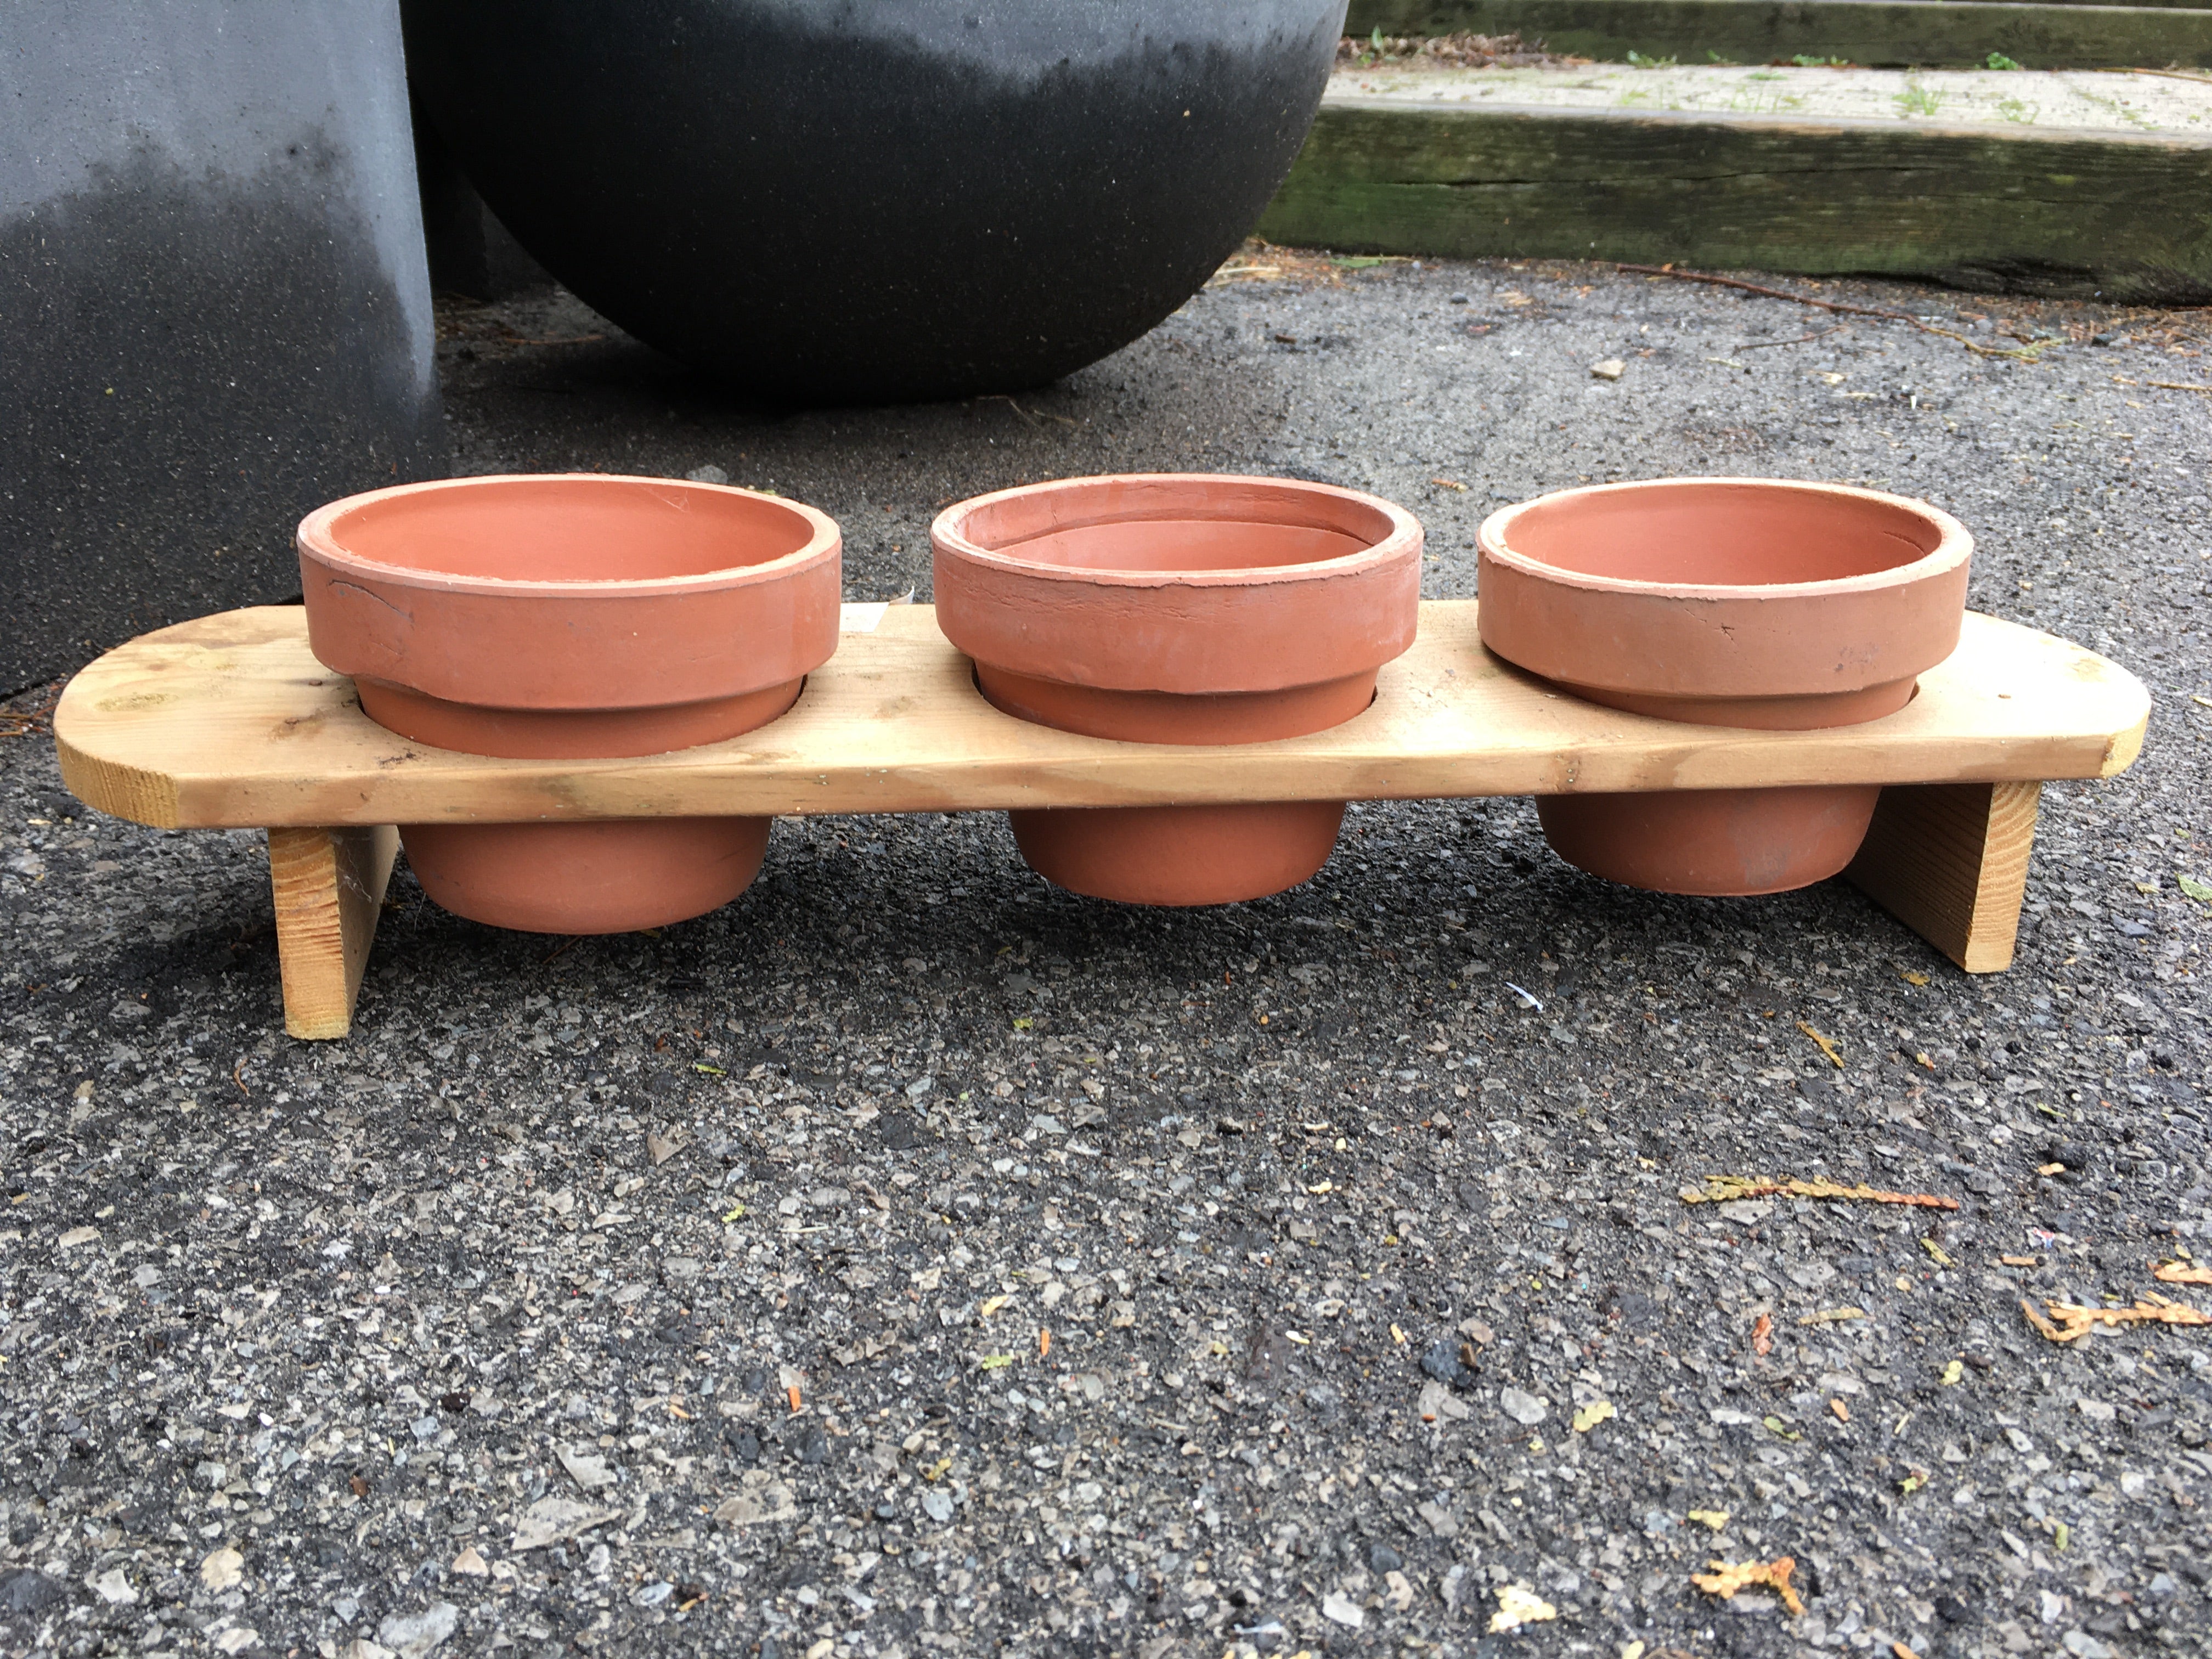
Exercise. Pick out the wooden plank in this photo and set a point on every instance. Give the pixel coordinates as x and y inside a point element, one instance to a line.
<point>228,720</point>
<point>1879,34</point>
<point>1950,862</point>
<point>2125,217</point>
<point>329,885</point>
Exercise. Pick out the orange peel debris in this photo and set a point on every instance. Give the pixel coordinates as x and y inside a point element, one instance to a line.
<point>1724,1581</point>
<point>2067,1321</point>
<point>2181,1272</point>
<point>1721,1189</point>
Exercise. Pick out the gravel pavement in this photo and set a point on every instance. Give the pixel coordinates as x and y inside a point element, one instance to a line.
<point>913,1259</point>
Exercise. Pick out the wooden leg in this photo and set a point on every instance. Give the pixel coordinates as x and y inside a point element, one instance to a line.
<point>329,885</point>
<point>1949,861</point>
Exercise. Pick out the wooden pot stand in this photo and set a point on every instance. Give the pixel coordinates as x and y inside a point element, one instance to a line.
<point>230,722</point>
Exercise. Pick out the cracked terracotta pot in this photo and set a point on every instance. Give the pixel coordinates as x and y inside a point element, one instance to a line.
<point>572,617</point>
<point>1740,602</point>
<point>1179,609</point>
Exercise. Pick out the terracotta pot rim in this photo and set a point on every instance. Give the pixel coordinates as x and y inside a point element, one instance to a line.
<point>1954,548</point>
<point>318,540</point>
<point>947,535</point>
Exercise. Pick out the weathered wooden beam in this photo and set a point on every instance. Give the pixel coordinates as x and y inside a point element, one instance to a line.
<point>1878,33</point>
<point>2123,217</point>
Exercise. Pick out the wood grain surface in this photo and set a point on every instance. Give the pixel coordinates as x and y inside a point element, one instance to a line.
<point>229,722</point>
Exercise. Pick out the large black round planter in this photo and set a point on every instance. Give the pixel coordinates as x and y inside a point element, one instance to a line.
<point>839,201</point>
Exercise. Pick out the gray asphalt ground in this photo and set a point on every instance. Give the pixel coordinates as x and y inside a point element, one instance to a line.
<point>690,1292</point>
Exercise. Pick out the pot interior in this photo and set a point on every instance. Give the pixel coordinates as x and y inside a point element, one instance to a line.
<point>1718,534</point>
<point>571,530</point>
<point>1169,525</point>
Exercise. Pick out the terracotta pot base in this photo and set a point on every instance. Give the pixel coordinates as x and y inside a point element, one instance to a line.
<point>1180,855</point>
<point>1722,844</point>
<point>611,878</point>
<point>604,878</point>
<point>1177,716</point>
<point>1712,843</point>
<point>570,733</point>
<point>1813,712</point>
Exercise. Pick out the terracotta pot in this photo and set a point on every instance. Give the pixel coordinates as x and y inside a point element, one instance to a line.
<point>572,617</point>
<point>1742,602</point>
<point>1179,609</point>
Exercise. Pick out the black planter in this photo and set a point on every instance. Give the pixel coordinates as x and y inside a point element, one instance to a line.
<point>214,312</point>
<point>840,201</point>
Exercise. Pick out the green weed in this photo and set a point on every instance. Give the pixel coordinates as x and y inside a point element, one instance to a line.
<point>1997,60</point>
<point>1916,100</point>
